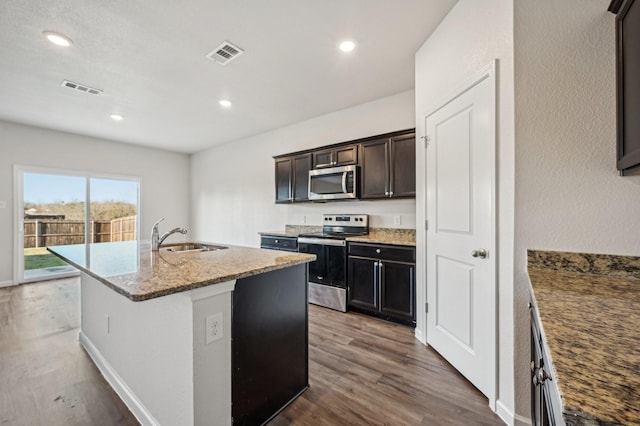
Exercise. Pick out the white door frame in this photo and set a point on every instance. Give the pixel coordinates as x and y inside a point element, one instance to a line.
<point>488,71</point>
<point>18,213</point>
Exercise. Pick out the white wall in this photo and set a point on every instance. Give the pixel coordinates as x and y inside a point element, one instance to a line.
<point>471,37</point>
<point>164,176</point>
<point>568,193</point>
<point>233,185</point>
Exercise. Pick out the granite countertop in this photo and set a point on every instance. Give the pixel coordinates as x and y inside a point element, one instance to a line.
<point>285,233</point>
<point>393,236</point>
<point>133,270</point>
<point>589,309</point>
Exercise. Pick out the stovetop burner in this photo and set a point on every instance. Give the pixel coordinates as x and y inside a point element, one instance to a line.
<point>339,227</point>
<point>332,235</point>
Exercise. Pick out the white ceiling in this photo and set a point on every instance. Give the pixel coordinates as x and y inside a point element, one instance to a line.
<point>148,56</point>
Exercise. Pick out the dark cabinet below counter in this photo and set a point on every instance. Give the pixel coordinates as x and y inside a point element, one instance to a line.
<point>276,242</point>
<point>381,281</point>
<point>545,402</point>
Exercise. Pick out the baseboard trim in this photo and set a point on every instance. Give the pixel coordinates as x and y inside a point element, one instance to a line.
<point>504,413</point>
<point>522,421</point>
<point>6,283</point>
<point>119,386</point>
<point>509,417</point>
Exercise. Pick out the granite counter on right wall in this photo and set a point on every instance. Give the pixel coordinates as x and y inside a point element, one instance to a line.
<point>589,309</point>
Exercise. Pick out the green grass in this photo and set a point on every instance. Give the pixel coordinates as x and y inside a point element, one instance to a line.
<point>38,258</point>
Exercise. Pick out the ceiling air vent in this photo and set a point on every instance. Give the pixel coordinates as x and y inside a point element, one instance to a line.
<point>80,87</point>
<point>225,53</point>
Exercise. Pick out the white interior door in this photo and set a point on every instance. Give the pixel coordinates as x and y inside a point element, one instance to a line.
<point>461,255</point>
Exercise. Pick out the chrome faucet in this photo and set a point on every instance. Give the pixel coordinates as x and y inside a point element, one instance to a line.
<point>157,239</point>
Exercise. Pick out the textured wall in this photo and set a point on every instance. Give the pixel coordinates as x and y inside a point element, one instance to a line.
<point>568,193</point>
<point>474,34</point>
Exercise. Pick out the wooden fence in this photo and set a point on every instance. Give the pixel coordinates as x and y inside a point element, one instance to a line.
<point>56,232</point>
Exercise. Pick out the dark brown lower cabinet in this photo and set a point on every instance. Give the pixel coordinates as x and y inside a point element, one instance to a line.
<point>381,281</point>
<point>545,404</point>
<point>269,344</point>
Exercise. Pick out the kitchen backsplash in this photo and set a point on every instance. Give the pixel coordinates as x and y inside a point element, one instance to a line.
<point>398,214</point>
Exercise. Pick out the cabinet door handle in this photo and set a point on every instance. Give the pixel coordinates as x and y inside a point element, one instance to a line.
<point>540,376</point>
<point>380,265</point>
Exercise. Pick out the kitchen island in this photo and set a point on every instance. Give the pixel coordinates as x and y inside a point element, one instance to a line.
<point>159,326</point>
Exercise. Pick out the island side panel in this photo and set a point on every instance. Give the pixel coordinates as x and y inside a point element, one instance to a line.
<point>270,343</point>
<point>212,361</point>
<point>145,348</point>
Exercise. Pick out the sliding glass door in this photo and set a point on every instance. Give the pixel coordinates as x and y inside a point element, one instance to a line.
<point>61,208</point>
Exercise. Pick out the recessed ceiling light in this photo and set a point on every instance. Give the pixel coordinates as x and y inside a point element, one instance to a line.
<point>347,46</point>
<point>225,103</point>
<point>116,117</point>
<point>57,38</point>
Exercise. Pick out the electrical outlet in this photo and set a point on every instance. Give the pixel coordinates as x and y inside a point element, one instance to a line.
<point>107,323</point>
<point>213,326</point>
<point>3,204</point>
<point>397,220</point>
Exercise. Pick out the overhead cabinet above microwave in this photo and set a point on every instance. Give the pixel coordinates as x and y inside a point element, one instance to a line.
<point>341,156</point>
<point>382,166</point>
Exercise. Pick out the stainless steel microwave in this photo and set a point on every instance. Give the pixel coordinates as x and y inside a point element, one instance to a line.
<point>335,183</point>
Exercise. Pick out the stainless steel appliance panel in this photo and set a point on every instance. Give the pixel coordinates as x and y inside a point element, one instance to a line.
<point>334,183</point>
<point>329,297</point>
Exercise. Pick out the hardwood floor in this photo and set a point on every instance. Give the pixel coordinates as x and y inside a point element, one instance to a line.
<point>363,371</point>
<point>46,378</point>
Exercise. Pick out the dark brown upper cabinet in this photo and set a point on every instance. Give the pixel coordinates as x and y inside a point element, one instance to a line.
<point>628,85</point>
<point>340,156</point>
<point>292,178</point>
<point>388,167</point>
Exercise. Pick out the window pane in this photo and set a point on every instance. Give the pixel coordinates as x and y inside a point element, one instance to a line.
<point>54,212</point>
<point>114,207</point>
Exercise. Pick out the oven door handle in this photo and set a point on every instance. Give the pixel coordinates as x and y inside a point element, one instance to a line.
<point>322,241</point>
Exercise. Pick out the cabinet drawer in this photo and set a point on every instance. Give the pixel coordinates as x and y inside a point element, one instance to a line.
<point>279,243</point>
<point>388,252</point>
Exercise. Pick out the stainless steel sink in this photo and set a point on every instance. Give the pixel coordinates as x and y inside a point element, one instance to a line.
<point>191,247</point>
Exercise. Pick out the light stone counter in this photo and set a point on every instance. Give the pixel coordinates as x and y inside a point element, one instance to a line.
<point>133,270</point>
<point>589,307</point>
<point>392,236</point>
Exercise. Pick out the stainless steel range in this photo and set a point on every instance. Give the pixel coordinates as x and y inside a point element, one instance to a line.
<point>328,274</point>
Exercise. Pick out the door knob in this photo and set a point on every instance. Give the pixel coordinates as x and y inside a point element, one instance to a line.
<point>481,253</point>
